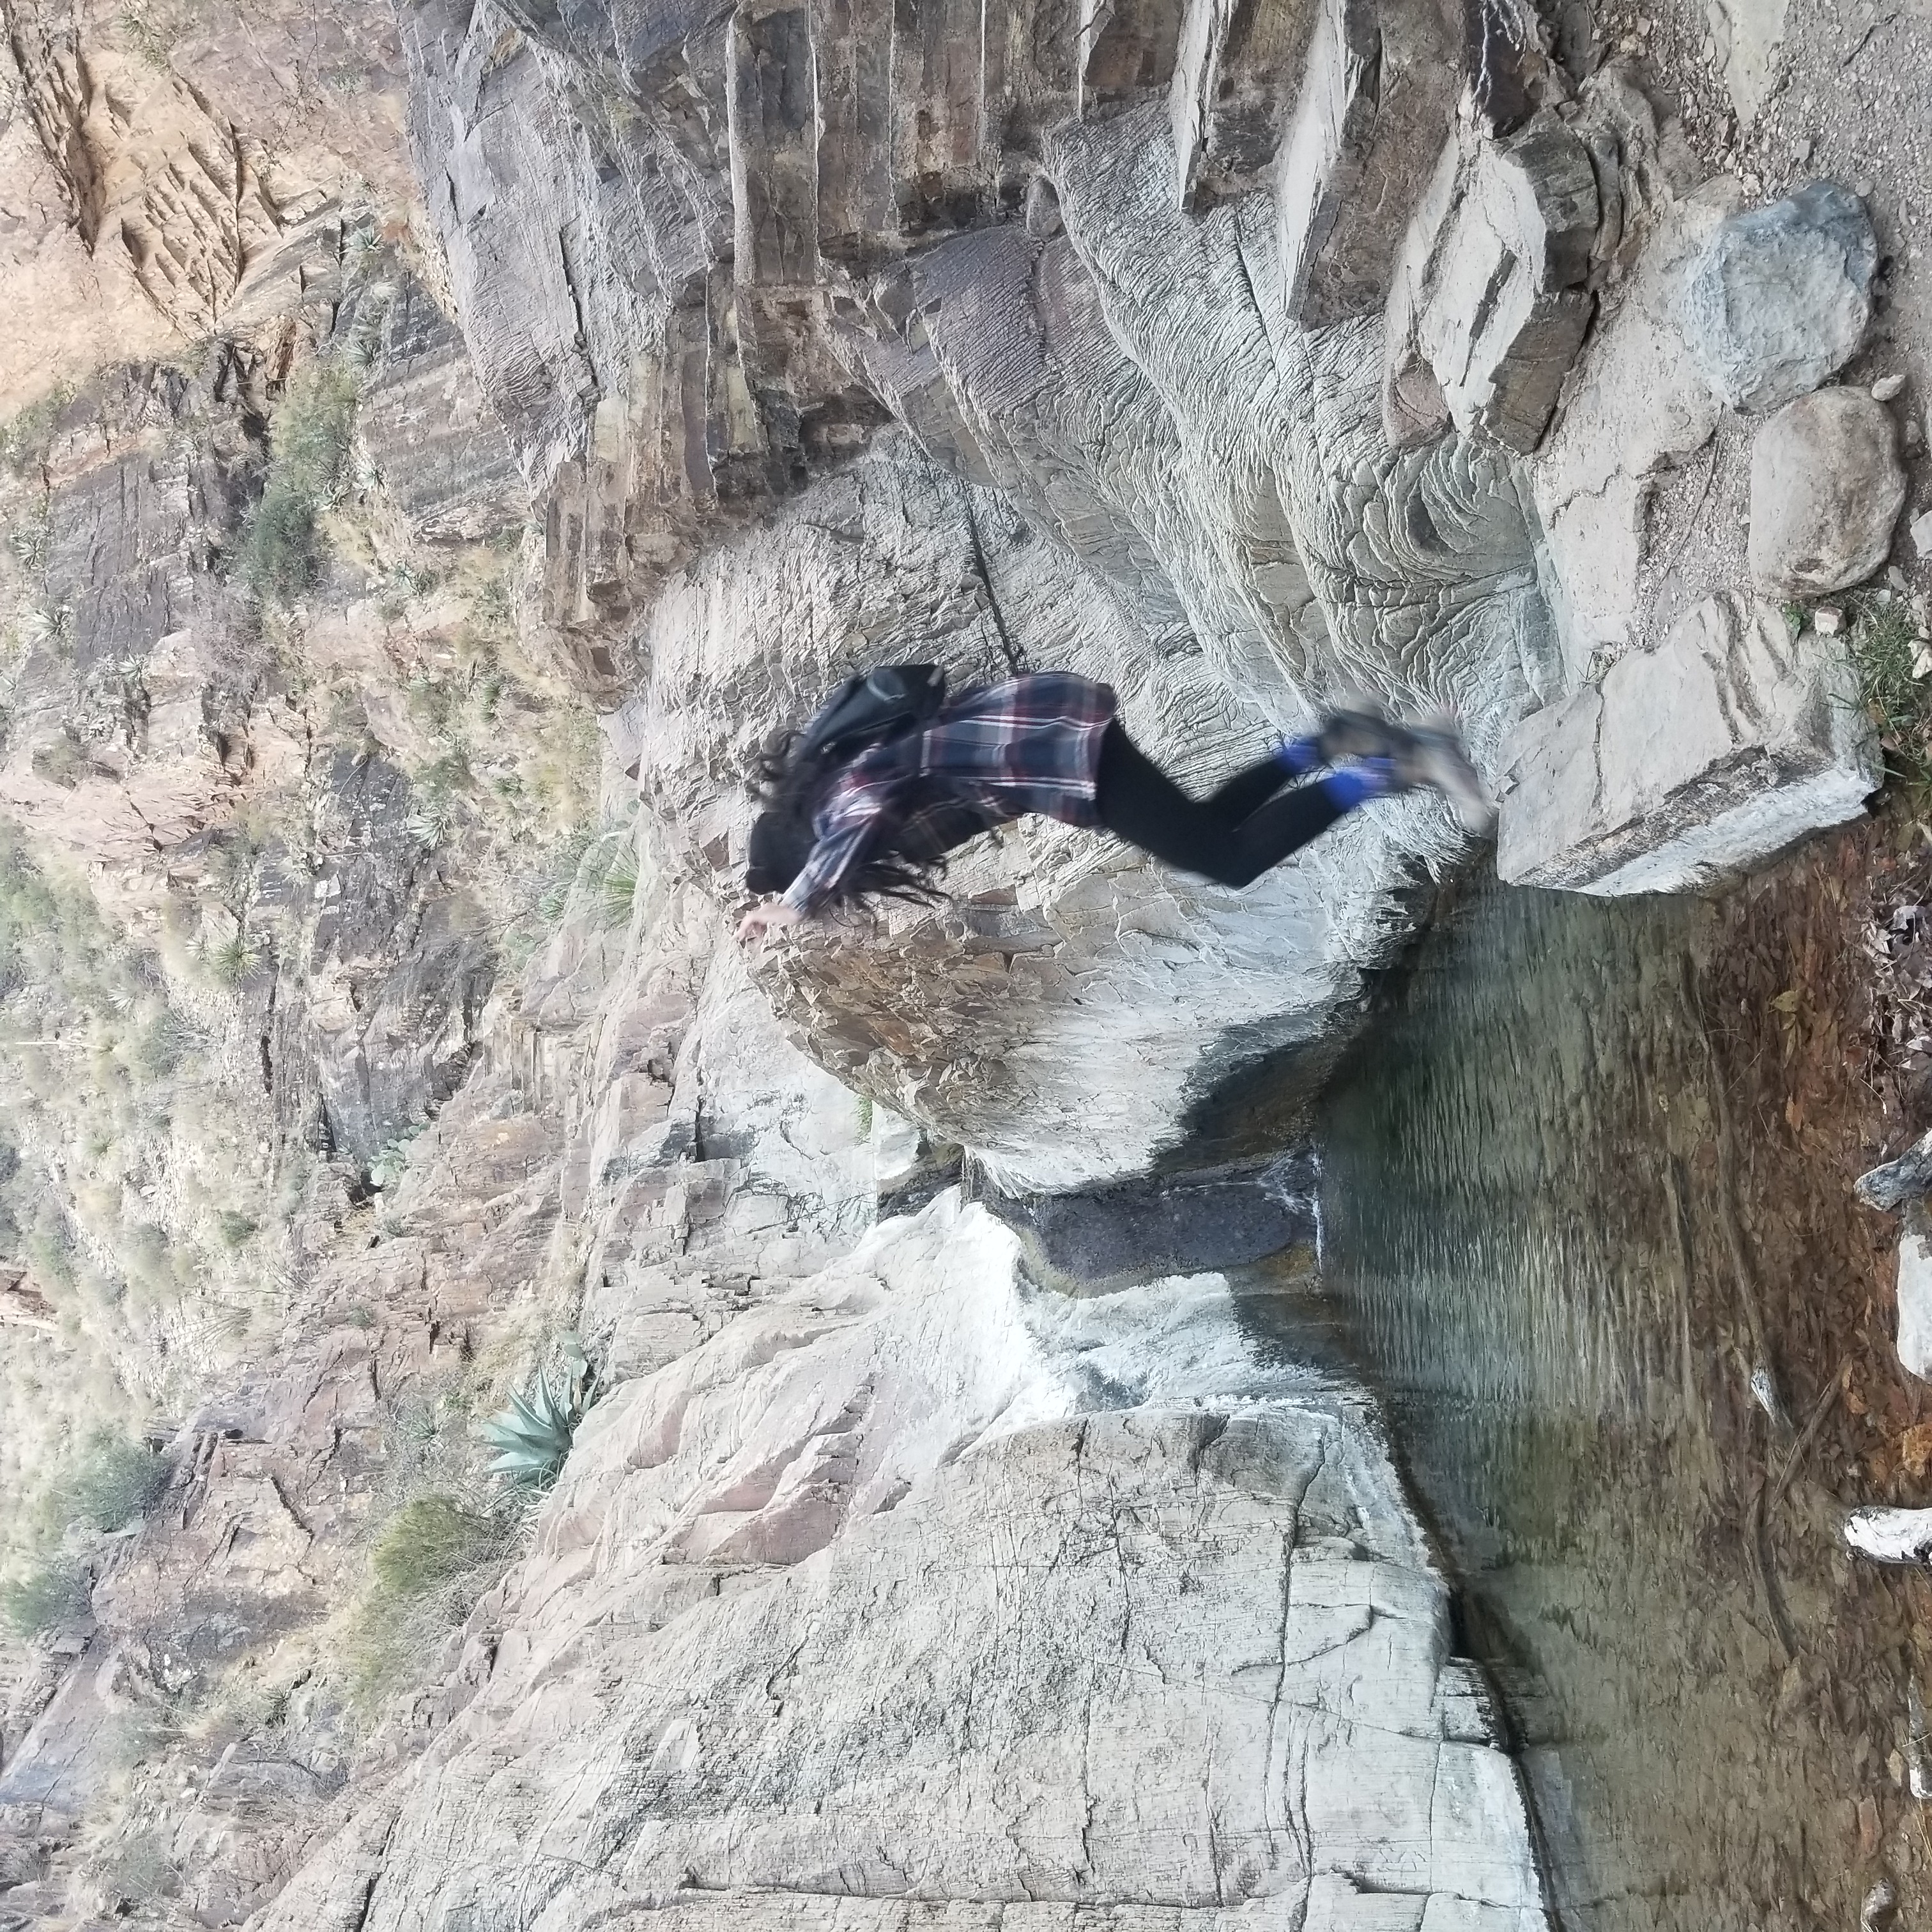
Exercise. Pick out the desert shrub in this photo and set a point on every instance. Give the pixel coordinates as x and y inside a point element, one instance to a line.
<point>235,1229</point>
<point>154,1048</point>
<point>107,1483</point>
<point>392,1160</point>
<point>48,1594</point>
<point>139,1869</point>
<point>30,537</point>
<point>233,962</point>
<point>434,1558</point>
<point>430,1541</point>
<point>113,1481</point>
<point>283,548</point>
<point>24,436</point>
<point>62,761</point>
<point>435,798</point>
<point>144,1251</point>
<point>50,1249</point>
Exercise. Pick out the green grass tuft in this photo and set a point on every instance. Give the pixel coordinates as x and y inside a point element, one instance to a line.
<point>430,1542</point>
<point>113,1481</point>
<point>283,550</point>
<point>48,1595</point>
<point>1885,651</point>
<point>435,1556</point>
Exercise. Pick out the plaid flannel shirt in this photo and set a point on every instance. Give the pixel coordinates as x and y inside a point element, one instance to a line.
<point>1033,745</point>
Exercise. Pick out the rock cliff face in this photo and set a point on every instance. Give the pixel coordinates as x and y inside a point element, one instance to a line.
<point>906,1583</point>
<point>1243,356</point>
<point>1211,347</point>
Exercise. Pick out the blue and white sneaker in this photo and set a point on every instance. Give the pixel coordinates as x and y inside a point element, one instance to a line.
<point>1430,755</point>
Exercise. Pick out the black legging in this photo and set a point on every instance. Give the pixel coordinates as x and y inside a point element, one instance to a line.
<point>1232,838</point>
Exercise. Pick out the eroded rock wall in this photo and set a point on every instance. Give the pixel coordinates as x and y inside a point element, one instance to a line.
<point>1223,354</point>
<point>882,1573</point>
<point>1230,360</point>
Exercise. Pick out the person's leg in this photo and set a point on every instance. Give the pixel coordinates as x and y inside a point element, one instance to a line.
<point>1247,791</point>
<point>1138,803</point>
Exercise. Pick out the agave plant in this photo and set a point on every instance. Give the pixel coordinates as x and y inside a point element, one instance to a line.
<point>532,1437</point>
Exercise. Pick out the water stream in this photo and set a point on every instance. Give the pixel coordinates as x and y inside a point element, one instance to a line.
<point>1544,1212</point>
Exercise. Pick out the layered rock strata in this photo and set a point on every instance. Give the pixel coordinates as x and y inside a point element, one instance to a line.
<point>1242,357</point>
<point>1114,282</point>
<point>915,1588</point>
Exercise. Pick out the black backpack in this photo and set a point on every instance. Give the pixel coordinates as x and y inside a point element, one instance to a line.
<point>870,708</point>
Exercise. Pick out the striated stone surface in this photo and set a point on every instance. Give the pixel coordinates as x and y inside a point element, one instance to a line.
<point>431,438</point>
<point>1023,1019</point>
<point>1686,763</point>
<point>1826,488</point>
<point>141,708</point>
<point>1237,66</point>
<point>1059,1533</point>
<point>702,265</point>
<point>1086,1549</point>
<point>1638,405</point>
<point>1781,297</point>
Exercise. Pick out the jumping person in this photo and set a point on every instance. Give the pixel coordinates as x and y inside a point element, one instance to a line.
<point>890,776</point>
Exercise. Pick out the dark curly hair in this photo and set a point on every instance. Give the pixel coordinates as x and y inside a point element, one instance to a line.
<point>791,790</point>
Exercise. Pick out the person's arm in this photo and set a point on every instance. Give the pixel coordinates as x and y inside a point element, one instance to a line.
<point>856,818</point>
<point>768,916</point>
<point>837,854</point>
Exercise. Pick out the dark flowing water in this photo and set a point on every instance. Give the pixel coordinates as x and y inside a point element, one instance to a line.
<point>1544,1222</point>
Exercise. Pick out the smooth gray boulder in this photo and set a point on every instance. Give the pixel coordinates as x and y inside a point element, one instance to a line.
<point>1826,488</point>
<point>1782,295</point>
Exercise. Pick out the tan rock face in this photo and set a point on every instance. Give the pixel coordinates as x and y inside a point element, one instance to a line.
<point>68,310</point>
<point>158,160</point>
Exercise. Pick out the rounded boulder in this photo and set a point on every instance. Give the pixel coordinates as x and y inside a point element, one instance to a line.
<point>1781,296</point>
<point>1826,488</point>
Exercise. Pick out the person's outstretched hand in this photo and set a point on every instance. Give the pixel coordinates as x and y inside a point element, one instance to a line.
<point>771,916</point>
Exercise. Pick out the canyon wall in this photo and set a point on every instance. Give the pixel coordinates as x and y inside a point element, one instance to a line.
<point>401,389</point>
